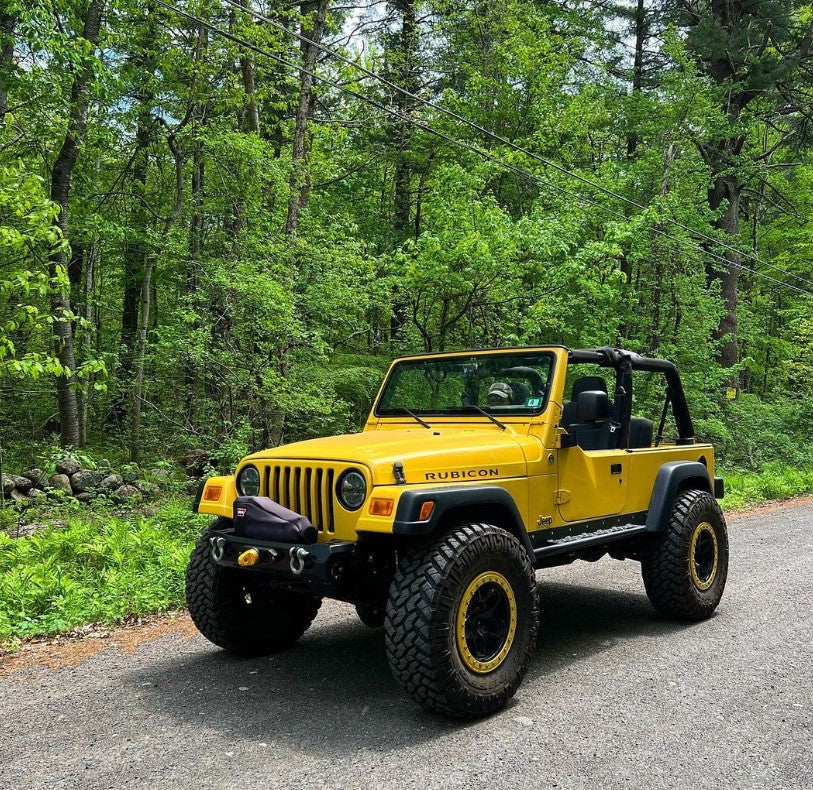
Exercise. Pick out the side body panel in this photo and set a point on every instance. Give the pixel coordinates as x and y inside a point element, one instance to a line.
<point>592,483</point>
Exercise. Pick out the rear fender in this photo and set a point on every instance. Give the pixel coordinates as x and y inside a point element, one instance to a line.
<point>672,478</point>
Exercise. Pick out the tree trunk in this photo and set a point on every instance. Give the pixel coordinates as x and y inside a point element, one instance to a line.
<point>725,192</point>
<point>135,247</point>
<point>251,113</point>
<point>7,24</point>
<point>138,383</point>
<point>87,339</point>
<point>300,181</point>
<point>637,69</point>
<point>61,176</point>
<point>137,392</point>
<point>404,57</point>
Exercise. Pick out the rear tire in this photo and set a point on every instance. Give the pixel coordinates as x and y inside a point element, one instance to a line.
<point>686,566</point>
<point>462,619</point>
<point>242,611</point>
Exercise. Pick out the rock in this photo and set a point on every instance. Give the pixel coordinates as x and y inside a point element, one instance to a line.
<point>103,464</point>
<point>131,476</point>
<point>8,484</point>
<point>85,480</point>
<point>17,496</point>
<point>146,488</point>
<point>126,493</point>
<point>112,482</point>
<point>195,462</point>
<point>60,483</point>
<point>67,466</point>
<point>85,496</point>
<point>160,475</point>
<point>35,475</point>
<point>22,484</point>
<point>36,493</point>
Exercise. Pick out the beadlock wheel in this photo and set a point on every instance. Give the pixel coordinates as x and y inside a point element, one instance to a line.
<point>486,622</point>
<point>703,554</point>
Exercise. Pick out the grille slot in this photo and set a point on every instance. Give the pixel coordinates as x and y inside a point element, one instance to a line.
<point>305,489</point>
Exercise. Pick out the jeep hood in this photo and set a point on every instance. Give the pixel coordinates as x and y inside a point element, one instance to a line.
<point>443,455</point>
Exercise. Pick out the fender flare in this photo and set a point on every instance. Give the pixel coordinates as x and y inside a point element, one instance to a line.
<point>671,477</point>
<point>407,523</point>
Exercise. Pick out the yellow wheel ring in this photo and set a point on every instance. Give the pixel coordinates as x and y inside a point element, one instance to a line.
<point>469,654</point>
<point>703,555</point>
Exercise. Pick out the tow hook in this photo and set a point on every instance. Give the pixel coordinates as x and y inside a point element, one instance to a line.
<point>218,544</point>
<point>298,558</point>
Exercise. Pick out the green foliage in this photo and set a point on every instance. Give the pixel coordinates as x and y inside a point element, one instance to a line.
<point>406,241</point>
<point>775,482</point>
<point>96,568</point>
<point>28,235</point>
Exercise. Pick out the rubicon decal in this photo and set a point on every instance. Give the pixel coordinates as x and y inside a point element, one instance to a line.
<point>462,474</point>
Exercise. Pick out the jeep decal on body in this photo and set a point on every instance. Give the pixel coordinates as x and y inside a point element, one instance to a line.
<point>458,474</point>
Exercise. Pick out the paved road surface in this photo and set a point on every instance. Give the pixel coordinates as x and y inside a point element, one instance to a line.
<point>615,698</point>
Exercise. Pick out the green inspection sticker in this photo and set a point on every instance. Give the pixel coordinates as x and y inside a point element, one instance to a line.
<point>533,403</point>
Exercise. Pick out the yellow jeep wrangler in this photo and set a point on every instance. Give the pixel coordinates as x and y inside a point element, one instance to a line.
<point>474,469</point>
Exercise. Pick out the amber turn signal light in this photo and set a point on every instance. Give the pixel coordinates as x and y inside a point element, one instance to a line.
<point>212,493</point>
<point>381,507</point>
<point>426,510</point>
<point>248,558</point>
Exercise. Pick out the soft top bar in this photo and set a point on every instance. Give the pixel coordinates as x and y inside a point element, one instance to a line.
<point>619,358</point>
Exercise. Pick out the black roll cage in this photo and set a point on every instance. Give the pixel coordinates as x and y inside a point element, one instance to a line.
<point>624,362</point>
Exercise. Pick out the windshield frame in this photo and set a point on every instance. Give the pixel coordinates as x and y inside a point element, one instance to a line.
<point>520,414</point>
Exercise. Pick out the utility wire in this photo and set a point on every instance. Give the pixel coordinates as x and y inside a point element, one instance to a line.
<point>503,140</point>
<point>467,146</point>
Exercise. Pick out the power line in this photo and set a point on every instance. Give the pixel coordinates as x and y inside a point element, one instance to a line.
<point>505,141</point>
<point>467,146</point>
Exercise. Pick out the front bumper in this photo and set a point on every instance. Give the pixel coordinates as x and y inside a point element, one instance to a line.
<point>316,564</point>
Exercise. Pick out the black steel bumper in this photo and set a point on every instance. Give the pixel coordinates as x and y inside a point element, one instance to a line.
<point>322,563</point>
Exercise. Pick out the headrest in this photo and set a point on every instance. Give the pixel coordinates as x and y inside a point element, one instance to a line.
<point>587,383</point>
<point>592,406</point>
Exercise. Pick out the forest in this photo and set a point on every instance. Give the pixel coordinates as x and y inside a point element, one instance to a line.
<point>221,219</point>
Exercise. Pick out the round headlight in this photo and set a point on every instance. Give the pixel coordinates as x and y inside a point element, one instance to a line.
<point>352,490</point>
<point>248,481</point>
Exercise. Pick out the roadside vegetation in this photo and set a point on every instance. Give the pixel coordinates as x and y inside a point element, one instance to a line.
<point>91,564</point>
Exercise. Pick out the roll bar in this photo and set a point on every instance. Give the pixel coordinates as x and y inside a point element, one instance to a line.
<point>623,361</point>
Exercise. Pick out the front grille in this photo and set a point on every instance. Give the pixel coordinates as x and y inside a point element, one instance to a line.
<point>304,488</point>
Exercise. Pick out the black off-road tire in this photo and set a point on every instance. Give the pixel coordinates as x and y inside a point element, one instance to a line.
<point>371,616</point>
<point>672,586</point>
<point>421,628</point>
<point>242,611</point>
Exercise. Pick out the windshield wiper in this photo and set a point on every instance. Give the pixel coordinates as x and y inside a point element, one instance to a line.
<point>491,417</point>
<point>415,417</point>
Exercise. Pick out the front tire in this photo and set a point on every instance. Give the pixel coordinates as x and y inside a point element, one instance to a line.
<point>686,566</point>
<point>242,611</point>
<point>462,619</point>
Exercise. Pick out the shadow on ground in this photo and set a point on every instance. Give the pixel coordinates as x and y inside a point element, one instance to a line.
<point>334,693</point>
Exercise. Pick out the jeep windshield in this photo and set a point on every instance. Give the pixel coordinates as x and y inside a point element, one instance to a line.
<point>501,384</point>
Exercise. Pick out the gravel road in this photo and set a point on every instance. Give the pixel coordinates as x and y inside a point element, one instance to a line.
<point>615,698</point>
